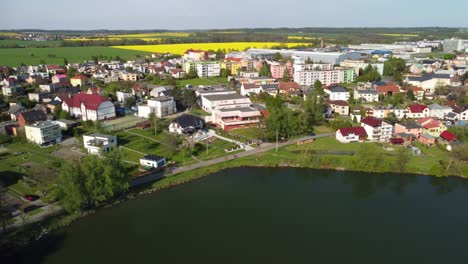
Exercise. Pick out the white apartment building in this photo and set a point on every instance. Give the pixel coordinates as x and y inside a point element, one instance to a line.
<point>360,64</point>
<point>369,95</point>
<point>160,106</point>
<point>336,93</point>
<point>208,69</point>
<point>97,144</point>
<point>377,130</point>
<point>44,133</point>
<point>326,77</point>
<point>209,103</point>
<point>439,111</point>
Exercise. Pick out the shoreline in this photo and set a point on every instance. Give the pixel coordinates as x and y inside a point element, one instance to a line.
<point>55,224</point>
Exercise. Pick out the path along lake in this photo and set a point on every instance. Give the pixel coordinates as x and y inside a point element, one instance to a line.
<point>272,215</point>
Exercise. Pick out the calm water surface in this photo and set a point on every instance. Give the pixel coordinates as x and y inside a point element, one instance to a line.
<point>257,215</point>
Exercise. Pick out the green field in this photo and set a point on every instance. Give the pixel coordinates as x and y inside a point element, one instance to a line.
<point>14,57</point>
<point>203,81</point>
<point>14,43</point>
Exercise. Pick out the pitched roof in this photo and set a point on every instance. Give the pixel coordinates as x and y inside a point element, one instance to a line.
<point>388,88</point>
<point>286,86</point>
<point>153,157</point>
<point>427,77</point>
<point>397,140</point>
<point>410,125</point>
<point>91,101</point>
<point>372,121</point>
<point>33,116</point>
<point>448,136</point>
<point>359,131</point>
<point>337,89</point>
<point>79,77</point>
<point>339,102</point>
<point>188,120</point>
<point>15,109</point>
<point>250,86</point>
<point>61,76</point>
<point>417,108</point>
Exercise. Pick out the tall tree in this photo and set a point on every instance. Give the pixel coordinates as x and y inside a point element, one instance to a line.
<point>265,71</point>
<point>286,76</point>
<point>277,56</point>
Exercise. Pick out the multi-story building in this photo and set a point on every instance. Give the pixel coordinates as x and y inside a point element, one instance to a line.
<point>133,77</point>
<point>451,45</point>
<point>160,106</point>
<point>235,66</point>
<point>44,133</point>
<point>439,111</point>
<point>336,93</point>
<point>97,144</point>
<point>326,77</point>
<point>409,128</point>
<point>418,111</point>
<point>369,95</point>
<point>340,107</point>
<point>361,65</point>
<point>237,117</point>
<point>376,129</point>
<point>277,69</point>
<point>208,69</point>
<point>216,101</point>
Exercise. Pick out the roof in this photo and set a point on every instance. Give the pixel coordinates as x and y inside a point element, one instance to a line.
<point>91,101</point>
<point>427,77</point>
<point>448,136</point>
<point>397,141</point>
<point>410,125</point>
<point>15,109</point>
<point>80,77</point>
<point>220,97</point>
<point>153,157</point>
<point>240,109</point>
<point>426,136</point>
<point>339,102</point>
<point>417,108</point>
<point>186,120</point>
<point>250,86</point>
<point>337,89</point>
<point>33,116</point>
<point>388,88</point>
<point>288,86</point>
<point>372,121</point>
<point>61,76</point>
<point>359,131</point>
<point>366,91</point>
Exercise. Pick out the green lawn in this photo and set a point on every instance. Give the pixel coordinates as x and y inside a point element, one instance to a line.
<point>23,188</point>
<point>250,132</point>
<point>199,112</point>
<point>215,150</point>
<point>16,56</point>
<point>203,81</point>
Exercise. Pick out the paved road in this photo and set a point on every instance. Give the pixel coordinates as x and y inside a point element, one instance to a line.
<point>175,170</point>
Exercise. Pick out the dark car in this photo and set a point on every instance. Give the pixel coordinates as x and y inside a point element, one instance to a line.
<point>31,197</point>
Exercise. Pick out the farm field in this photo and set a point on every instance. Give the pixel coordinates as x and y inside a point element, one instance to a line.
<point>6,43</point>
<point>142,36</point>
<point>181,48</point>
<point>16,56</point>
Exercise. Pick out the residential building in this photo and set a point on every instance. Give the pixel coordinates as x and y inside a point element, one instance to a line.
<point>429,81</point>
<point>60,79</point>
<point>326,77</point>
<point>336,93</point>
<point>40,96</point>
<point>376,129</point>
<point>340,107</point>
<point>208,69</point>
<point>128,76</point>
<point>417,91</point>
<point>186,124</point>
<point>277,69</point>
<point>97,144</point>
<point>447,136</point>
<point>161,106</point>
<point>235,117</point>
<point>271,89</point>
<point>31,117</point>
<point>439,111</point>
<point>351,134</point>
<point>209,103</point>
<point>78,81</point>
<point>454,44</point>
<point>427,139</point>
<point>15,110</point>
<point>409,128</point>
<point>432,126</point>
<point>418,111</point>
<point>153,161</point>
<point>43,133</point>
<point>361,65</point>
<point>121,95</point>
<point>232,65</point>
<point>249,88</point>
<point>386,88</point>
<point>368,95</point>
<point>89,107</point>
<point>289,88</point>
<point>461,113</point>
<point>196,55</point>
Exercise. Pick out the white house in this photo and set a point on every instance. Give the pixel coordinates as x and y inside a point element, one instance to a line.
<point>160,106</point>
<point>44,133</point>
<point>121,96</point>
<point>186,124</point>
<point>429,81</point>
<point>336,93</point>
<point>418,111</point>
<point>248,88</point>
<point>153,161</point>
<point>89,107</point>
<point>216,101</point>
<point>369,95</point>
<point>208,69</point>
<point>351,134</point>
<point>97,144</point>
<point>235,117</point>
<point>377,130</point>
<point>439,111</point>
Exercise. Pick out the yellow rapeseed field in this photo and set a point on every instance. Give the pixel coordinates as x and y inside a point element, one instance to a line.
<point>299,38</point>
<point>8,34</point>
<point>181,48</point>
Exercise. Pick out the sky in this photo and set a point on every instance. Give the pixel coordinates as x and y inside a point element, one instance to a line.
<point>219,14</point>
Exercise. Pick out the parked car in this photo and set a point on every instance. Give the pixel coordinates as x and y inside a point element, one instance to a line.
<point>31,197</point>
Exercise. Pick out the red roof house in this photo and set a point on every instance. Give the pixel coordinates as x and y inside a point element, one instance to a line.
<point>371,121</point>
<point>418,111</point>
<point>351,134</point>
<point>448,136</point>
<point>89,107</point>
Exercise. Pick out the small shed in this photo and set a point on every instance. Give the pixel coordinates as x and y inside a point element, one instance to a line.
<point>153,161</point>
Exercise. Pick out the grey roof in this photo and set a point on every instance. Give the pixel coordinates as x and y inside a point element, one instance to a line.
<point>15,109</point>
<point>219,97</point>
<point>162,98</point>
<point>437,106</point>
<point>411,125</point>
<point>426,136</point>
<point>427,77</point>
<point>241,109</point>
<point>186,120</point>
<point>153,157</point>
<point>337,89</point>
<point>100,135</point>
<point>367,91</point>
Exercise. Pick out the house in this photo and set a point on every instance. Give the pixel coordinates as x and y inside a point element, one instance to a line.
<point>438,111</point>
<point>186,124</point>
<point>432,126</point>
<point>418,111</point>
<point>177,73</point>
<point>407,138</point>
<point>88,107</point>
<point>160,106</point>
<point>196,55</point>
<point>211,102</point>
<point>248,88</point>
<point>417,91</point>
<point>340,107</point>
<point>412,128</point>
<point>40,96</point>
<point>60,79</point>
<point>376,129</point>
<point>271,89</point>
<point>387,88</point>
<point>449,137</point>
<point>427,139</point>
<point>43,133</point>
<point>336,93</point>
<point>121,95</point>
<point>289,88</point>
<point>15,110</point>
<point>397,141</point>
<point>153,161</point>
<point>66,124</point>
<point>12,90</point>
<point>128,76</point>
<point>368,95</point>
<point>429,81</point>
<point>462,113</point>
<point>95,90</point>
<point>97,144</point>
<point>31,117</point>
<point>78,81</point>
<point>156,91</point>
<point>233,117</point>
<point>351,134</point>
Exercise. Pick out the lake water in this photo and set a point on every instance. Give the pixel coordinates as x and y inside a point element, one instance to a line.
<point>266,215</point>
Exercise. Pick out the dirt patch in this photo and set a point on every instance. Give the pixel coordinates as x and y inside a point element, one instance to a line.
<point>68,153</point>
